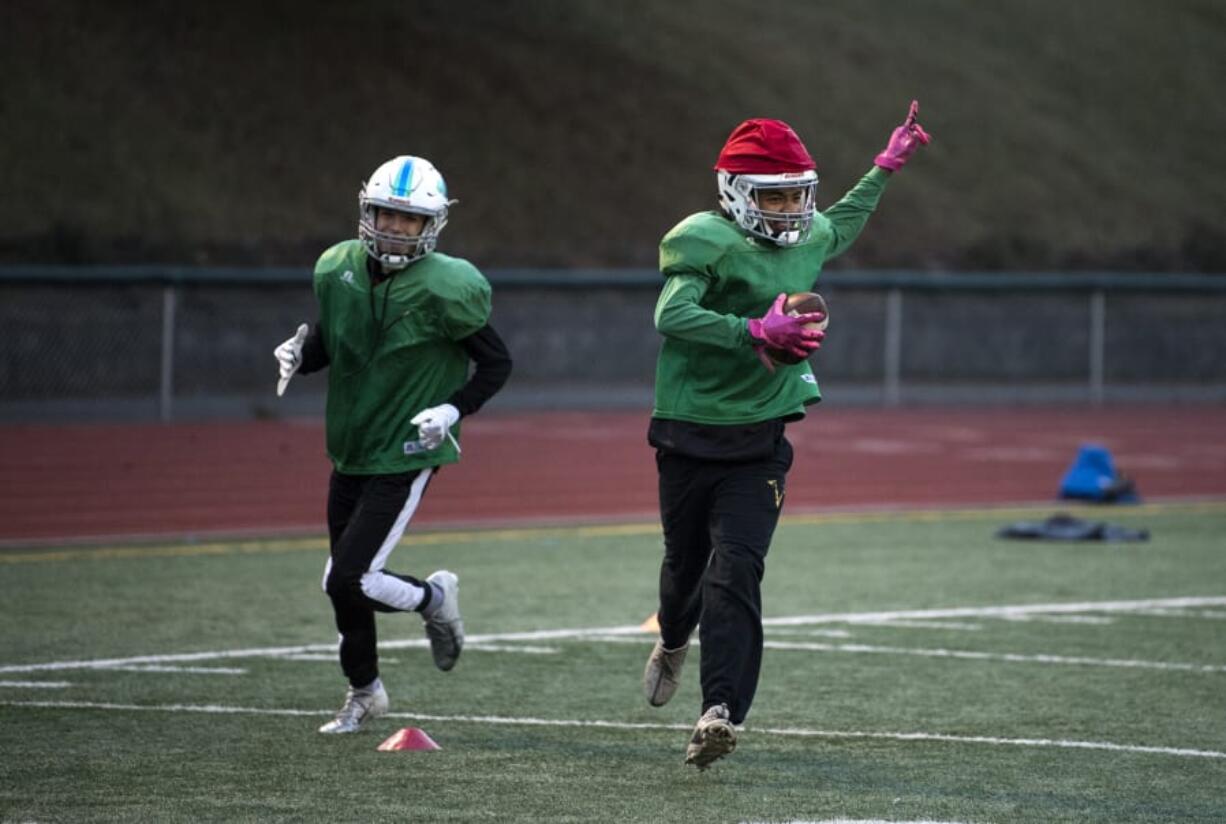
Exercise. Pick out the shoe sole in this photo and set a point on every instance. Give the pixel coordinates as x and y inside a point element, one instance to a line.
<point>444,635</point>
<point>657,688</point>
<point>447,634</point>
<point>718,740</point>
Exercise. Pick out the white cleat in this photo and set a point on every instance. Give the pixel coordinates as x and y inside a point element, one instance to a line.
<point>360,706</point>
<point>444,627</point>
<point>663,673</point>
<point>713,738</point>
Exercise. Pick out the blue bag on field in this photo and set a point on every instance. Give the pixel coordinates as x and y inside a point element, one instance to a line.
<point>1093,477</point>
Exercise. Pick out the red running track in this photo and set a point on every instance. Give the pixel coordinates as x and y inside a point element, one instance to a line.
<point>94,482</point>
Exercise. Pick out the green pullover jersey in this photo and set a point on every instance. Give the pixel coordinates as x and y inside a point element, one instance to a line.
<point>716,276</point>
<point>393,350</point>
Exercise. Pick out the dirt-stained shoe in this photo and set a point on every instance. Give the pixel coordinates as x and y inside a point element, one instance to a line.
<point>443,625</point>
<point>713,738</point>
<point>663,673</point>
<point>360,706</point>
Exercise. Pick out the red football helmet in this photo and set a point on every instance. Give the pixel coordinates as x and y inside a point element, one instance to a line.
<point>765,154</point>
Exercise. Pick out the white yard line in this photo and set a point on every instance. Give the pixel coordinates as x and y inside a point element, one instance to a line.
<point>1060,619</point>
<point>853,821</point>
<point>632,630</point>
<point>477,642</point>
<point>216,709</point>
<point>213,655</point>
<point>171,668</point>
<point>36,685</point>
<point>922,625</point>
<point>970,655</point>
<point>523,649</point>
<point>999,612</point>
<point>995,656</point>
<point>1185,613</point>
<point>1059,743</point>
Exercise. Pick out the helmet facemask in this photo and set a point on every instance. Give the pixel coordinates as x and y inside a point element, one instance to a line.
<point>392,249</point>
<point>739,197</point>
<point>404,184</point>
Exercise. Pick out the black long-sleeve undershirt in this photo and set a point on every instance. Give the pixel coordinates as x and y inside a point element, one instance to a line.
<point>493,366</point>
<point>484,347</point>
<point>314,355</point>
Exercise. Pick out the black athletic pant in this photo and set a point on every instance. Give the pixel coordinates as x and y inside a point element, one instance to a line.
<point>718,518</point>
<point>367,515</point>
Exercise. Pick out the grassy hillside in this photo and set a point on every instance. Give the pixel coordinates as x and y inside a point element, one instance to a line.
<point>575,132</point>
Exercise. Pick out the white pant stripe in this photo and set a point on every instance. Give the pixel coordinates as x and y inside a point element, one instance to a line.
<point>388,589</point>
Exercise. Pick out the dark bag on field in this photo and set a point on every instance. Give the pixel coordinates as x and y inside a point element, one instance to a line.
<point>1062,527</point>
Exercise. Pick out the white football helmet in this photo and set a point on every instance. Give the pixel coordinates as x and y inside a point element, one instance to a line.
<point>738,196</point>
<point>405,184</point>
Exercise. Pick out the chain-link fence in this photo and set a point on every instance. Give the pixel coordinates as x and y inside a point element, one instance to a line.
<point>90,343</point>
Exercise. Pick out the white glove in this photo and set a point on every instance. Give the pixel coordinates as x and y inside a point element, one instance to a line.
<point>434,424</point>
<point>289,357</point>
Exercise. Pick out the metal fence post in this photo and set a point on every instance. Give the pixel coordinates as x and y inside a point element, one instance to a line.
<point>1098,327</point>
<point>166,384</point>
<point>892,391</point>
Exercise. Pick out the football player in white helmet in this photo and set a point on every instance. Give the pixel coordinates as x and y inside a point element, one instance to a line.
<point>400,325</point>
<point>402,209</point>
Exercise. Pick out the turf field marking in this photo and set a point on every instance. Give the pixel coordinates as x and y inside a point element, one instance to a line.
<point>1009,657</point>
<point>497,720</point>
<point>1006,612</point>
<point>307,651</point>
<point>1101,620</point>
<point>1184,613</point>
<point>822,633</point>
<point>170,668</point>
<point>524,648</point>
<point>112,663</point>
<point>633,630</point>
<point>854,821</point>
<point>36,685</point>
<point>996,656</point>
<point>923,625</point>
<point>1060,743</point>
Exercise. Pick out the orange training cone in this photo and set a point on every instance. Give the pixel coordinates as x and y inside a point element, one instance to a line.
<point>409,738</point>
<point>652,624</point>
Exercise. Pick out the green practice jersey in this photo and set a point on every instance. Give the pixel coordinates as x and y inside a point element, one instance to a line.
<point>716,276</point>
<point>393,351</point>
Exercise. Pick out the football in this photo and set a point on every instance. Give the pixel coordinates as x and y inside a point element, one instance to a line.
<point>800,303</point>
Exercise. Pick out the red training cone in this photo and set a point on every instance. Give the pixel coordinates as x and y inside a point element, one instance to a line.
<point>409,738</point>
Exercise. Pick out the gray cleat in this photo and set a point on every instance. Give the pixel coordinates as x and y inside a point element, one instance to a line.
<point>360,706</point>
<point>444,627</point>
<point>663,673</point>
<point>713,738</point>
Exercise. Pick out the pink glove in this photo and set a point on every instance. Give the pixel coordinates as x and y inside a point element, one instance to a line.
<point>779,330</point>
<point>903,142</point>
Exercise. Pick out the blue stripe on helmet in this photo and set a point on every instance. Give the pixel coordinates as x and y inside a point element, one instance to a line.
<point>400,186</point>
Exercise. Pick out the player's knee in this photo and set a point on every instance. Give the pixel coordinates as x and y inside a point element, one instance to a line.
<point>344,585</point>
<point>737,561</point>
